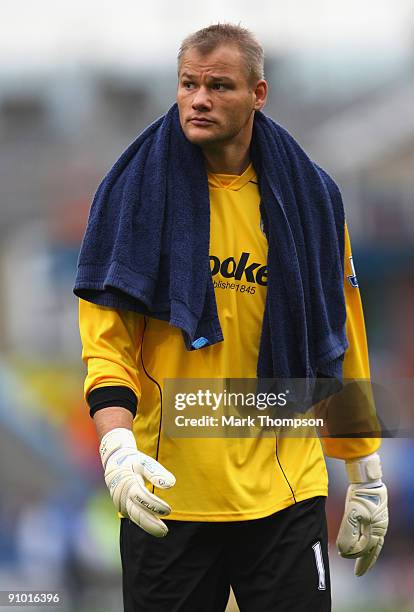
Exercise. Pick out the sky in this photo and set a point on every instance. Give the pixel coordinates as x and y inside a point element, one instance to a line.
<point>49,33</point>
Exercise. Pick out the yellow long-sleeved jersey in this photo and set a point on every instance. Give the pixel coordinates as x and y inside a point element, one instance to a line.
<point>220,479</point>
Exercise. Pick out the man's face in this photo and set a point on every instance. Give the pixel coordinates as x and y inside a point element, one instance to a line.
<point>214,97</point>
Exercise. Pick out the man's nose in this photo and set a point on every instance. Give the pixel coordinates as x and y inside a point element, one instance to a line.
<point>201,100</point>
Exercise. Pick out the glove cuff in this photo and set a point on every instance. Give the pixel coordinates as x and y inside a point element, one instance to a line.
<point>113,440</point>
<point>364,470</point>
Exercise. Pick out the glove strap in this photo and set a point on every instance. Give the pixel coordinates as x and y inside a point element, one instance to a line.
<point>364,470</point>
<point>113,440</point>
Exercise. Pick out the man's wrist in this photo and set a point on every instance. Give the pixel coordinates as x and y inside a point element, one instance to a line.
<point>115,439</point>
<point>365,470</point>
<point>123,435</point>
<point>111,418</point>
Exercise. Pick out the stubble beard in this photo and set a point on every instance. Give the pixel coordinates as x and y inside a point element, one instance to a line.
<point>218,140</point>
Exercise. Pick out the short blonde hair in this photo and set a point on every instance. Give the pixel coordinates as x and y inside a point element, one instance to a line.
<point>207,39</point>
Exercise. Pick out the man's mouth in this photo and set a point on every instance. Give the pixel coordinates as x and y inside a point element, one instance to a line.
<point>200,121</point>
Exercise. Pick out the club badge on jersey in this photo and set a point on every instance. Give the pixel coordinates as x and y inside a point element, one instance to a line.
<point>352,278</point>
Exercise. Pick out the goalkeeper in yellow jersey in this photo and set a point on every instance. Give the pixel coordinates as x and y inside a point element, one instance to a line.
<point>216,248</point>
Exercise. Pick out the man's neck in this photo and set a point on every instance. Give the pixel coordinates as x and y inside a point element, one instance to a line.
<point>227,160</point>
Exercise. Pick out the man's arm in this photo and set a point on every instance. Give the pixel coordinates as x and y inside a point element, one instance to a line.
<point>365,520</point>
<point>111,346</point>
<point>356,402</point>
<point>111,341</point>
<point>111,418</point>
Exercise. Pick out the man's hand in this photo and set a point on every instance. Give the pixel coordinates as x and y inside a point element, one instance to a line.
<point>365,520</point>
<point>125,469</point>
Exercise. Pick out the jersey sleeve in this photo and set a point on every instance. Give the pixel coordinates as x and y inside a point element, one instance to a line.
<point>111,345</point>
<point>356,363</point>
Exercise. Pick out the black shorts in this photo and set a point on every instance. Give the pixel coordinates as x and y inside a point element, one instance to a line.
<point>278,563</point>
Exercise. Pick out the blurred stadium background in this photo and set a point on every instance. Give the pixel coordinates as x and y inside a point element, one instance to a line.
<point>75,88</point>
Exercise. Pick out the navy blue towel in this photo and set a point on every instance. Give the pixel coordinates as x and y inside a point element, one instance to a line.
<point>146,246</point>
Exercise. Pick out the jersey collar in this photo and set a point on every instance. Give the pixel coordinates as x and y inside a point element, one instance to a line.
<point>233,182</point>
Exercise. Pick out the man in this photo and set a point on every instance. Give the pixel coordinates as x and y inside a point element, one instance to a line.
<point>245,512</point>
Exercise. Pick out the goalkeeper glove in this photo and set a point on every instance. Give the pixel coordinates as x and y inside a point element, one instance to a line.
<point>125,469</point>
<point>365,520</point>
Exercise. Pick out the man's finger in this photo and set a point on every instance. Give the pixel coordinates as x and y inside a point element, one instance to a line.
<point>354,532</point>
<point>147,521</point>
<point>363,564</point>
<point>140,495</point>
<point>124,485</point>
<point>154,472</point>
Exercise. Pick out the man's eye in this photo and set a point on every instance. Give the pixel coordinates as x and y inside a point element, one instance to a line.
<point>188,85</point>
<point>219,86</point>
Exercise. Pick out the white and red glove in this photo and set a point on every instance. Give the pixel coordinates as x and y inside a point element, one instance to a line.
<point>125,469</point>
<point>365,520</point>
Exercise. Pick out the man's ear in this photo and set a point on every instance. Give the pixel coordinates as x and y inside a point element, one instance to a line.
<point>260,91</point>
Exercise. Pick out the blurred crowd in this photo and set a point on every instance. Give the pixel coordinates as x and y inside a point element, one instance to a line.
<point>60,132</point>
